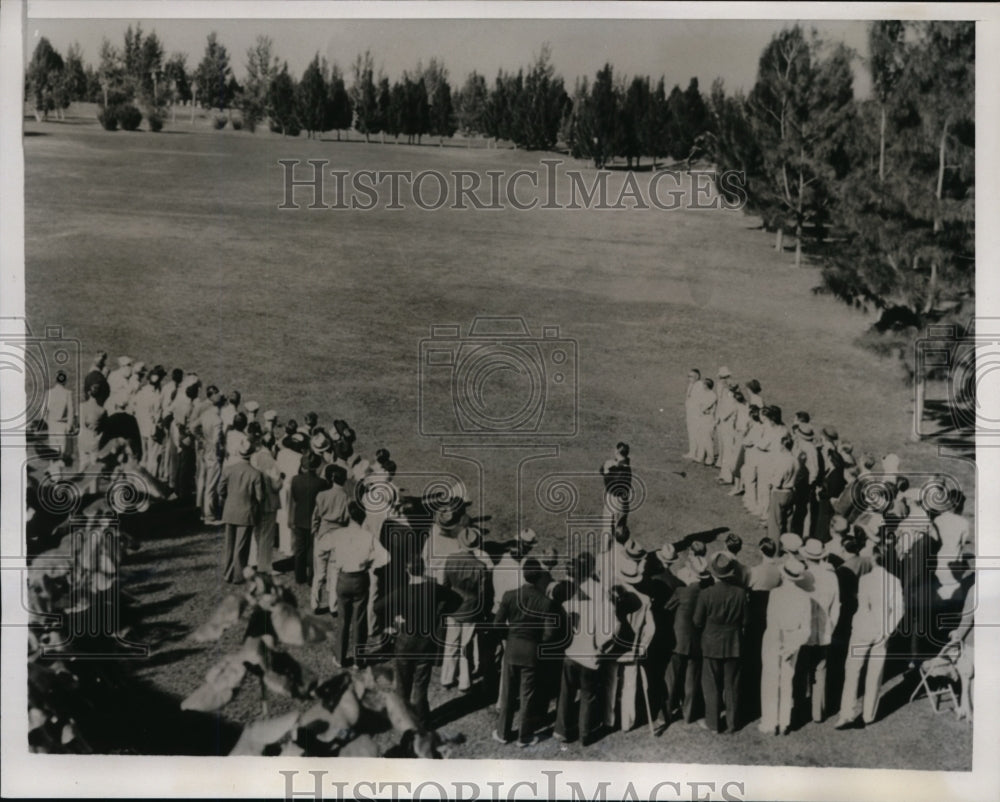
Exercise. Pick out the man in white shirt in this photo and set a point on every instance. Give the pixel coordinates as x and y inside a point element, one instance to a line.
<point>880,609</point>
<point>691,413</point>
<point>825,612</point>
<point>707,401</point>
<point>59,415</point>
<point>266,527</point>
<point>209,424</point>
<point>118,383</point>
<point>356,553</point>
<point>788,628</point>
<point>782,470</point>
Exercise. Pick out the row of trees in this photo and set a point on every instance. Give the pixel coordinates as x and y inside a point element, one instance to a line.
<point>882,189</point>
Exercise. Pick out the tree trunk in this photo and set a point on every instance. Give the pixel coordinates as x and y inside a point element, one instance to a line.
<point>931,289</point>
<point>779,237</point>
<point>881,147</point>
<point>798,244</point>
<point>940,178</point>
<point>194,95</point>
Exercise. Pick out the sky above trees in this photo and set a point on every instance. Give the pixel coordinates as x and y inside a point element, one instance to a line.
<point>676,49</point>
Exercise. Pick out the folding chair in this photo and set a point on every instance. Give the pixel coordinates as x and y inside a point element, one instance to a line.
<point>938,677</point>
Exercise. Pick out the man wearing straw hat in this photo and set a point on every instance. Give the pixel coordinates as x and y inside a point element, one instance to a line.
<point>788,627</point>
<point>683,673</point>
<point>824,594</point>
<point>722,614</point>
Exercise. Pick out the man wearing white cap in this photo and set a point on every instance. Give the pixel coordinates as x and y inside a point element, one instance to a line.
<point>825,611</point>
<point>118,383</point>
<point>788,628</point>
<point>241,491</point>
<point>466,575</point>
<point>724,410</point>
<point>705,425</point>
<point>252,408</point>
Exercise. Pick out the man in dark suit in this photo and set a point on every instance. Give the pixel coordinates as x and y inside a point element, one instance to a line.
<point>305,487</point>
<point>241,490</point>
<point>414,613</point>
<point>684,668</point>
<point>722,614</point>
<point>531,619</point>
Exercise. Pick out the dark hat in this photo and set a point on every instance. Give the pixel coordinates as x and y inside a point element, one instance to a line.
<point>633,550</point>
<point>722,565</point>
<point>469,538</point>
<point>310,461</point>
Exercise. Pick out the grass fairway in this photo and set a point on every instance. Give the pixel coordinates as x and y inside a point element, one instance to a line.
<point>170,248</point>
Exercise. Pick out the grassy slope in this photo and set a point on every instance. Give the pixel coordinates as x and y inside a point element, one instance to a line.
<point>170,248</point>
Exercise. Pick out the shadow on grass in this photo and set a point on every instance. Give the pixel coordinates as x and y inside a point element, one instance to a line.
<point>460,706</point>
<point>705,536</point>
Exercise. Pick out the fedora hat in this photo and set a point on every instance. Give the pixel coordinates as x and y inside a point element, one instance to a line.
<point>633,550</point>
<point>722,566</point>
<point>631,571</point>
<point>320,443</point>
<point>451,516</point>
<point>245,447</point>
<point>839,525</point>
<point>793,569</point>
<point>724,372</point>
<point>813,549</point>
<point>469,538</point>
<point>667,553</point>
<point>549,558</point>
<point>252,406</point>
<point>806,432</point>
<point>790,542</point>
<point>527,536</point>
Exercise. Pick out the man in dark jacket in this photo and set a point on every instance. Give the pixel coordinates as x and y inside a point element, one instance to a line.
<point>722,614</point>
<point>414,612</point>
<point>531,619</point>
<point>241,491</point>
<point>305,487</point>
<point>684,668</point>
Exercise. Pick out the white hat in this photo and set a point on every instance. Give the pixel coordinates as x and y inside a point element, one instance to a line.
<point>270,415</point>
<point>252,406</point>
<point>890,463</point>
<point>139,366</point>
<point>527,535</point>
<point>790,542</point>
<point>124,361</point>
<point>244,446</point>
<point>724,372</point>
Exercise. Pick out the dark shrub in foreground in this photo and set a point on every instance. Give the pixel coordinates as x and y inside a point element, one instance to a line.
<point>220,122</point>
<point>129,117</point>
<point>155,122</point>
<point>237,123</point>
<point>108,118</point>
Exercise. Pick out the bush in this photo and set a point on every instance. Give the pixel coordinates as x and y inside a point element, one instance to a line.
<point>220,122</point>
<point>129,117</point>
<point>108,118</point>
<point>237,123</point>
<point>155,121</point>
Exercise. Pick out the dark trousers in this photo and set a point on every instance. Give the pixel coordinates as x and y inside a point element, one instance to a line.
<point>302,552</point>
<point>413,676</point>
<point>573,720</point>
<point>236,552</point>
<point>721,674</point>
<point>520,683</point>
<point>802,503</point>
<point>779,513</point>
<point>682,686</point>
<point>352,624</point>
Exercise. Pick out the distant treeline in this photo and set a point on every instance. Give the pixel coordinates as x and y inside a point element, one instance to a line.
<point>881,189</point>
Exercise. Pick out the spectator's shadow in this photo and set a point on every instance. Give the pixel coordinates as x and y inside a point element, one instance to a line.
<point>706,536</point>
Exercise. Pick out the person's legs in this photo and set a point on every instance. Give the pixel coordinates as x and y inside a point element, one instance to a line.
<point>345,601</point>
<point>819,685</point>
<point>610,693</point>
<point>786,697</point>
<point>770,689</point>
<point>228,550</point>
<point>692,681</point>
<point>857,657</point>
<point>566,713</point>
<point>467,632</point>
<point>529,703</point>
<point>264,538</point>
<point>711,682</point>
<point>630,675</point>
<point>450,656</point>
<point>418,692</point>
<point>731,696</point>
<point>319,587</point>
<point>359,619</point>
<point>589,718</point>
<point>241,553</point>
<point>505,715</point>
<point>873,681</point>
